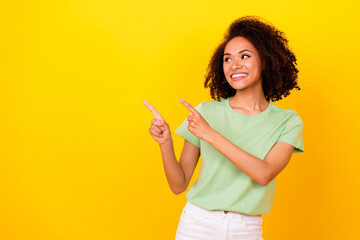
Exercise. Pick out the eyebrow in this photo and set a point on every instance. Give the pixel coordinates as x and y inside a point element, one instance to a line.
<point>238,52</point>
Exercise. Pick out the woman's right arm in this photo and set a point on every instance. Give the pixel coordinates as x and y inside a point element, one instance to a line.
<point>178,174</point>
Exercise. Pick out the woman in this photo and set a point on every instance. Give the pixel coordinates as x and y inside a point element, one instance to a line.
<point>244,139</point>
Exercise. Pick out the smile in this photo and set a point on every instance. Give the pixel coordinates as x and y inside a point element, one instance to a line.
<point>238,76</point>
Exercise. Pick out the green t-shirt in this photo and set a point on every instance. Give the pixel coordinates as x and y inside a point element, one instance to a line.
<point>221,185</point>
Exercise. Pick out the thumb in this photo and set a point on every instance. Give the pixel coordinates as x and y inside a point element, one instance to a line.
<point>161,124</point>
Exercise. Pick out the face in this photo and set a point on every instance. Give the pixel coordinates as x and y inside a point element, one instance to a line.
<point>242,64</point>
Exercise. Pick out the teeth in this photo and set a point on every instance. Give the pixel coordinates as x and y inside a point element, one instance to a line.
<point>239,75</point>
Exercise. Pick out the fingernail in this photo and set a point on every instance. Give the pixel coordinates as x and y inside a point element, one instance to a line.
<point>156,123</point>
<point>162,128</point>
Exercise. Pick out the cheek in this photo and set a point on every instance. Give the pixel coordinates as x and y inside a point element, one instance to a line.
<point>225,70</point>
<point>249,65</point>
<point>254,66</point>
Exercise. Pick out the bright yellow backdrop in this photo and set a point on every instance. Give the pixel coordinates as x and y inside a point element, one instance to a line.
<point>76,159</point>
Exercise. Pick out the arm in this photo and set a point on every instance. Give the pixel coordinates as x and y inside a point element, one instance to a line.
<point>261,171</point>
<point>178,174</point>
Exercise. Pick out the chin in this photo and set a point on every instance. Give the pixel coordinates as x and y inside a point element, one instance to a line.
<point>238,86</point>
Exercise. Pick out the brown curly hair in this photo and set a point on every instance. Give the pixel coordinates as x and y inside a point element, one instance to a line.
<point>279,74</point>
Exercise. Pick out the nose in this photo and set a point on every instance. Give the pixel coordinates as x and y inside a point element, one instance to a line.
<point>236,64</point>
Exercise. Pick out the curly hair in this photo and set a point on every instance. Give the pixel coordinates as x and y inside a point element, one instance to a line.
<point>279,74</point>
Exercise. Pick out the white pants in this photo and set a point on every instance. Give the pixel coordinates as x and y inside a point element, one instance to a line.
<point>197,223</point>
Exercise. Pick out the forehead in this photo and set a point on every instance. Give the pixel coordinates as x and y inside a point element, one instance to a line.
<point>237,44</point>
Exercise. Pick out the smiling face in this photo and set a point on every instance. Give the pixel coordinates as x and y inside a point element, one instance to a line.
<point>242,64</point>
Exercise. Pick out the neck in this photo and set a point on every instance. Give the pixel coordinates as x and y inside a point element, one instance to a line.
<point>249,100</point>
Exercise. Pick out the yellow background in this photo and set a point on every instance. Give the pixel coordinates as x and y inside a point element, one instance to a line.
<point>76,159</point>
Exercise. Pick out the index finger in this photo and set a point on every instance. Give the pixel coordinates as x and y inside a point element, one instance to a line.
<point>188,106</point>
<point>153,110</point>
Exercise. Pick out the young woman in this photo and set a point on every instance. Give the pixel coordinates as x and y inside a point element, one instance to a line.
<point>244,139</point>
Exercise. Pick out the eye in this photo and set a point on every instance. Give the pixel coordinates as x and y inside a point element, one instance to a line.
<point>245,56</point>
<point>227,59</point>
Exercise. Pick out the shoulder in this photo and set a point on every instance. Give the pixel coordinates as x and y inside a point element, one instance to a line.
<point>286,115</point>
<point>210,105</point>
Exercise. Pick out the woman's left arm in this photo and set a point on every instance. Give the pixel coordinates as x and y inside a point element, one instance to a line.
<point>261,171</point>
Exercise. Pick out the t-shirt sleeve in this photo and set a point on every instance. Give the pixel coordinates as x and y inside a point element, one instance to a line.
<point>292,134</point>
<point>184,132</point>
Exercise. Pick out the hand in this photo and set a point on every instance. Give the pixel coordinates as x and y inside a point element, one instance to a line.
<point>197,124</point>
<point>159,129</point>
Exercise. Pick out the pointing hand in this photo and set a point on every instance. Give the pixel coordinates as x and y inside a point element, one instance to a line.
<point>197,124</point>
<point>159,129</point>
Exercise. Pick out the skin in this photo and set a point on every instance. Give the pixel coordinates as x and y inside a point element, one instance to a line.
<point>178,174</point>
<point>240,56</point>
<point>248,100</point>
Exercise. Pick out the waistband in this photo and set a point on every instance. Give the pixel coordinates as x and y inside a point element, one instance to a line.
<point>219,213</point>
